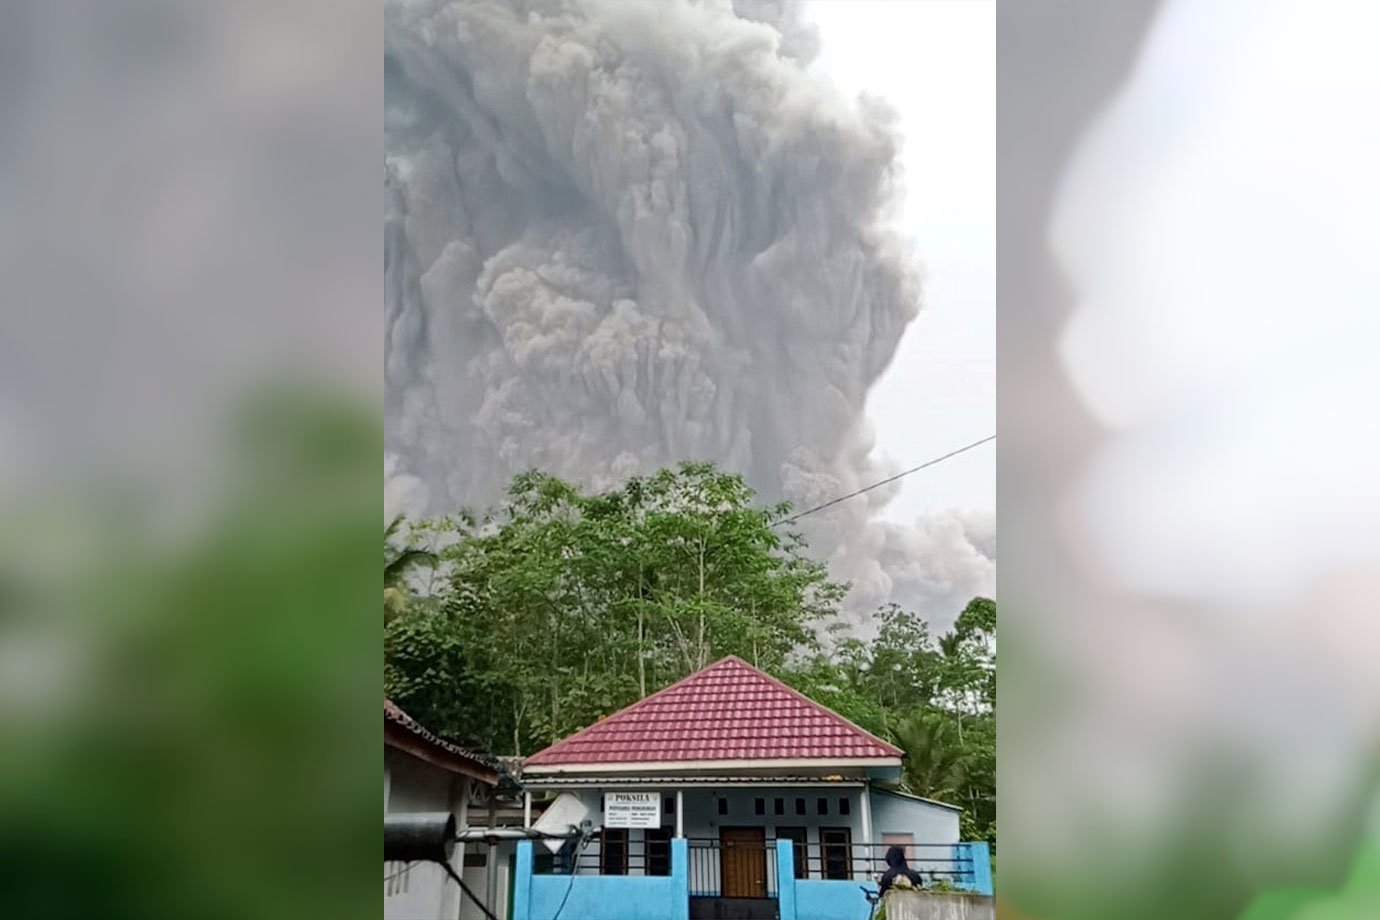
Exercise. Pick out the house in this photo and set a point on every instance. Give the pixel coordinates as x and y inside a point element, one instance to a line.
<point>425,773</point>
<point>729,794</point>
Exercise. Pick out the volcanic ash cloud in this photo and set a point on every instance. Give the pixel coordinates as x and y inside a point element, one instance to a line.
<point>619,235</point>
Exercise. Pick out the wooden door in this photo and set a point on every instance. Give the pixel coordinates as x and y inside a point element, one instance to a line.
<point>743,862</point>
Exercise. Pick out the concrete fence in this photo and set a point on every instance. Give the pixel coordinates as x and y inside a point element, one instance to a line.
<point>913,905</point>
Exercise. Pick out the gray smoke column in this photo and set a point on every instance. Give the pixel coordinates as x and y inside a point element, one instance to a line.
<point>624,234</point>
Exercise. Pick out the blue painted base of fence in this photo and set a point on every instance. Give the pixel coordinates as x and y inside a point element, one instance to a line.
<point>596,897</point>
<point>976,862</point>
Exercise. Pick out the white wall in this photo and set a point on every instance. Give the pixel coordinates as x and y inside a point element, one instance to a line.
<point>477,878</point>
<point>422,891</point>
<point>702,820</point>
<point>929,824</point>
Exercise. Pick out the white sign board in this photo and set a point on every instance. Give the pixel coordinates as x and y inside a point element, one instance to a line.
<point>632,809</point>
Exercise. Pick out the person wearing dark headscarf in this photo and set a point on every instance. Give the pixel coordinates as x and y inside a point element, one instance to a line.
<point>898,874</point>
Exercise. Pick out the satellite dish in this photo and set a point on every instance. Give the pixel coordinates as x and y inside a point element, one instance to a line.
<point>560,816</point>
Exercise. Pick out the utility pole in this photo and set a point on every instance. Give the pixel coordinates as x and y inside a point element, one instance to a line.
<point>491,896</point>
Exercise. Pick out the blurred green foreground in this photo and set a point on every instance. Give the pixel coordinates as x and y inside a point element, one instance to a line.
<point>184,696</point>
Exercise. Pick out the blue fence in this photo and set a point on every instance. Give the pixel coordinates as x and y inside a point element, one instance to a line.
<point>975,866</point>
<point>595,897</point>
<point>667,897</point>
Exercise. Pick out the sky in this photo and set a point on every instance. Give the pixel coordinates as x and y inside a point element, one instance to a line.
<point>934,62</point>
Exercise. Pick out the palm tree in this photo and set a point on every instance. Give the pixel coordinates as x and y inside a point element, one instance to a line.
<point>935,766</point>
<point>397,564</point>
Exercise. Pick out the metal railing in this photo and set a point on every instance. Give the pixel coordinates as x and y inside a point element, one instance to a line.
<point>935,862</point>
<point>728,868</point>
<point>600,857</point>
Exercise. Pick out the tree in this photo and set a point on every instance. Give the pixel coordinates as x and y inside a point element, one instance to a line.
<point>935,698</point>
<point>397,565</point>
<point>562,606</point>
<point>936,764</point>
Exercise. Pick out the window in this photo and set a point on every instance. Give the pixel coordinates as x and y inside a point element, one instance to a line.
<point>800,806</point>
<point>780,806</point>
<point>668,805</point>
<point>843,804</point>
<point>836,844</point>
<point>822,806</point>
<point>760,806</point>
<point>658,842</point>
<point>723,806</point>
<point>797,837</point>
<point>613,851</point>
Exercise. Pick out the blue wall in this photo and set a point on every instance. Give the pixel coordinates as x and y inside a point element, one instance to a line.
<point>977,871</point>
<point>817,899</point>
<point>602,897</point>
<point>830,899</point>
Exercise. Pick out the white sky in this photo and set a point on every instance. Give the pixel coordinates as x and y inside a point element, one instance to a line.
<point>934,61</point>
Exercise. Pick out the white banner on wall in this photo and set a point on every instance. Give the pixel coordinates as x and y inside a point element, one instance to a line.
<point>632,809</point>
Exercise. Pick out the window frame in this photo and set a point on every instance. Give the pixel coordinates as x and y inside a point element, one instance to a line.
<point>846,846</point>
<point>661,838</point>
<point>618,833</point>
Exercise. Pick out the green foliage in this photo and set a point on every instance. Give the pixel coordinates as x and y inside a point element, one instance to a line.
<point>565,606</point>
<point>198,745</point>
<point>934,698</point>
<point>397,565</point>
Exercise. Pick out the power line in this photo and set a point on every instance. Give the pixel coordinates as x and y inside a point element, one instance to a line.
<point>878,484</point>
<point>574,866</point>
<point>451,872</point>
<point>466,889</point>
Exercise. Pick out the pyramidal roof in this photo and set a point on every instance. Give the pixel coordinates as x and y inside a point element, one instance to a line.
<point>730,711</point>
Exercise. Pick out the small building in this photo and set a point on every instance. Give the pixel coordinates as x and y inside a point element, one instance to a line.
<point>425,773</point>
<point>729,794</point>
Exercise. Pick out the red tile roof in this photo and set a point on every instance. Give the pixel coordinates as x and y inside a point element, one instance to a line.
<point>728,711</point>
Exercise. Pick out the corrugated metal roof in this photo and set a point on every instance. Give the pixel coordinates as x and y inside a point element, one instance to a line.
<point>919,798</point>
<point>728,711</point>
<point>394,715</point>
